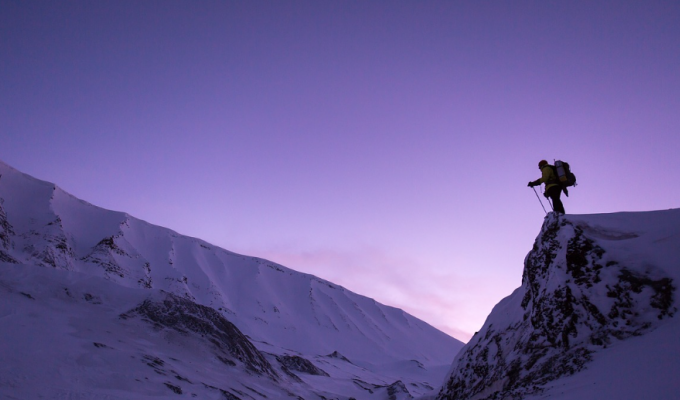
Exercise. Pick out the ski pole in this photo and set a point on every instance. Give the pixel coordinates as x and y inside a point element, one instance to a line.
<point>539,200</point>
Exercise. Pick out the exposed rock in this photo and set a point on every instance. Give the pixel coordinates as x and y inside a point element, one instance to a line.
<point>186,316</point>
<point>92,298</point>
<point>395,391</point>
<point>575,299</point>
<point>176,389</point>
<point>6,233</point>
<point>299,364</point>
<point>398,390</point>
<point>339,356</point>
<point>103,255</point>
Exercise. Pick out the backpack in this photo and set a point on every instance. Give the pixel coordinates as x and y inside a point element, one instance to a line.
<point>564,175</point>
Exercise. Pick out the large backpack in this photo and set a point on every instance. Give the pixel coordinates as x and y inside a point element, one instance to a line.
<point>564,175</point>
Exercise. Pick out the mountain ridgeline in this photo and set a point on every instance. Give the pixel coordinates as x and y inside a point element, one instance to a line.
<point>255,316</point>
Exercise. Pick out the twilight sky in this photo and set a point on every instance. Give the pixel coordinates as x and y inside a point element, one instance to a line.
<point>382,145</point>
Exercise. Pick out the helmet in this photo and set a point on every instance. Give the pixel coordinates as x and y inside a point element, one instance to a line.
<point>542,163</point>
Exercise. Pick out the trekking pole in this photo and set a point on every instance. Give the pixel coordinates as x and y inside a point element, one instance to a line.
<point>539,200</point>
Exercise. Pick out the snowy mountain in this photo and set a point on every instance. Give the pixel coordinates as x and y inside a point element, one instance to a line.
<point>99,304</point>
<point>595,317</point>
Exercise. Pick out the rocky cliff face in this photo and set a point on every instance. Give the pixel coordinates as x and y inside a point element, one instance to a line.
<point>576,299</point>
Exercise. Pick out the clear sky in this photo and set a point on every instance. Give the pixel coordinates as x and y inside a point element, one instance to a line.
<point>385,145</point>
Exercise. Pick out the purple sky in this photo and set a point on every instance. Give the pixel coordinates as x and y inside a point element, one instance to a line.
<point>383,145</point>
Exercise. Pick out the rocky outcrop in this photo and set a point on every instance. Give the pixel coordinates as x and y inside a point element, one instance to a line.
<point>299,364</point>
<point>394,391</point>
<point>53,249</point>
<point>6,233</point>
<point>230,345</point>
<point>397,391</point>
<point>103,255</point>
<point>575,299</point>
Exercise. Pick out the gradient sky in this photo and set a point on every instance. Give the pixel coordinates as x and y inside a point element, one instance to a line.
<point>382,145</point>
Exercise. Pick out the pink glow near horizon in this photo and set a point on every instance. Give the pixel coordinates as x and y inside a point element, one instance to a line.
<point>384,146</point>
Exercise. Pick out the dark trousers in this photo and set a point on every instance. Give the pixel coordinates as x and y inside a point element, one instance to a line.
<point>554,194</point>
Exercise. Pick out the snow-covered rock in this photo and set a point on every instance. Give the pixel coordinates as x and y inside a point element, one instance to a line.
<point>186,287</point>
<point>591,286</point>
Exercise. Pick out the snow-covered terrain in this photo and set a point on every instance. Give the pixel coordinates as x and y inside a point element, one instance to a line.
<point>595,317</point>
<point>97,304</point>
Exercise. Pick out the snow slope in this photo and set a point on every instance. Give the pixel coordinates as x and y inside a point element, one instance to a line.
<point>364,346</point>
<point>595,317</point>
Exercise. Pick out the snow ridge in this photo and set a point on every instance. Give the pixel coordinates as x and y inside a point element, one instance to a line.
<point>281,312</point>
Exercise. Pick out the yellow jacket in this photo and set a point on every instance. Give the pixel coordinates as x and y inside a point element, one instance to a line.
<point>548,177</point>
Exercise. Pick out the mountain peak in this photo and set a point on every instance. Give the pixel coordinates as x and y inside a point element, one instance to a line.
<point>581,293</point>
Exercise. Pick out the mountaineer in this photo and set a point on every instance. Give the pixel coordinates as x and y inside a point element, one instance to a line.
<point>553,187</point>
